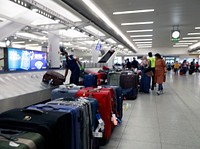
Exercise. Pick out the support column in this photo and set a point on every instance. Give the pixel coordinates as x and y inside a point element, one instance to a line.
<point>54,51</point>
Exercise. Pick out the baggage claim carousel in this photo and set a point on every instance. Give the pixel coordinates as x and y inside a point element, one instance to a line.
<point>22,89</point>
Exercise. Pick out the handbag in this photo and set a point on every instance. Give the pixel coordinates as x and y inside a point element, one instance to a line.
<point>149,73</point>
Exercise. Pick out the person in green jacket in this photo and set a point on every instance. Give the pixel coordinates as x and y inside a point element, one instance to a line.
<point>152,65</point>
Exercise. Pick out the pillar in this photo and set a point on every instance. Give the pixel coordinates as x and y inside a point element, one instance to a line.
<point>54,51</point>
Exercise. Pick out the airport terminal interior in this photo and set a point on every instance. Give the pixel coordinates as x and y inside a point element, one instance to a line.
<point>103,35</point>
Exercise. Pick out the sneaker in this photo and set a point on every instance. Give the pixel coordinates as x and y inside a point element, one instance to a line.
<point>161,92</point>
<point>158,92</point>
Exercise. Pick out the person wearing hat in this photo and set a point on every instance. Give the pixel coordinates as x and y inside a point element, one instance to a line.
<point>160,70</point>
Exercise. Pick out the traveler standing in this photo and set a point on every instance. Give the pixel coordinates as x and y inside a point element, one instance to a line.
<point>184,67</point>
<point>145,79</point>
<point>152,66</point>
<point>176,67</point>
<point>197,67</point>
<point>128,64</point>
<point>135,63</point>
<point>160,69</point>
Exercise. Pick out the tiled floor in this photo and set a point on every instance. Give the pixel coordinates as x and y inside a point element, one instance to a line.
<point>168,121</point>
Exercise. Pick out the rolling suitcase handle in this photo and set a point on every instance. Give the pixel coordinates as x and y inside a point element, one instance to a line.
<point>10,134</point>
<point>32,110</point>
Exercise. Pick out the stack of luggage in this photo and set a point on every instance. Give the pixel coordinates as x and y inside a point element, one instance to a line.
<point>76,117</point>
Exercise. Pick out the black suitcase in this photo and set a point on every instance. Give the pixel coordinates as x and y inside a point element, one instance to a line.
<point>53,78</point>
<point>55,127</point>
<point>14,139</point>
<point>129,81</point>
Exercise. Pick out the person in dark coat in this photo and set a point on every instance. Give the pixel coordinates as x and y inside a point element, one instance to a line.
<point>73,64</point>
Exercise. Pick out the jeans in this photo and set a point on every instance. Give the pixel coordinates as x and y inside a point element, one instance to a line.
<point>160,87</point>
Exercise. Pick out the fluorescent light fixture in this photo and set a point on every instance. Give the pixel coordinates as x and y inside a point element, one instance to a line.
<point>193,33</point>
<point>134,11</point>
<point>102,15</point>
<point>120,46</point>
<point>110,40</point>
<point>18,42</point>
<point>182,41</point>
<point>72,33</point>
<point>145,47</point>
<point>143,42</point>
<point>197,27</point>
<point>35,10</point>
<point>65,43</point>
<point>89,42</point>
<point>82,48</point>
<point>137,23</point>
<point>94,30</point>
<point>191,37</point>
<point>135,36</point>
<point>32,44</point>
<point>142,39</point>
<point>138,31</point>
<point>176,46</point>
<point>31,36</point>
<point>2,44</point>
<point>61,10</point>
<point>195,45</point>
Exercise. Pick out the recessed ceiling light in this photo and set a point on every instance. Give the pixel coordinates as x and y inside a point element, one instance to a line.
<point>135,36</point>
<point>191,37</point>
<point>193,33</point>
<point>142,39</point>
<point>145,47</point>
<point>137,23</point>
<point>134,11</point>
<point>143,42</point>
<point>188,41</point>
<point>180,45</point>
<point>137,31</point>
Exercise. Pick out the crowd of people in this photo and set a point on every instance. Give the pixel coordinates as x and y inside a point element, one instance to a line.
<point>152,70</point>
<point>184,67</point>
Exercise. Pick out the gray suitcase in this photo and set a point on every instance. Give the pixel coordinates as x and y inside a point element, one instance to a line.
<point>113,78</point>
<point>65,91</point>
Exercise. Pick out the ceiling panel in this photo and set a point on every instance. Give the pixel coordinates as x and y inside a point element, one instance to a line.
<point>168,13</point>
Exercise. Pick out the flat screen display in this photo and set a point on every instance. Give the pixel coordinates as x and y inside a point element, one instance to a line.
<point>20,59</point>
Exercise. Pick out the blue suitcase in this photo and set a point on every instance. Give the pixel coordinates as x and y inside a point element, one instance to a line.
<point>65,91</point>
<point>90,80</point>
<point>75,123</point>
<point>145,83</point>
<point>118,100</point>
<point>85,118</point>
<point>92,107</point>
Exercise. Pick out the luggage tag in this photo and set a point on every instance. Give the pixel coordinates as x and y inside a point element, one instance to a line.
<point>101,122</point>
<point>13,144</point>
<point>98,134</point>
<point>114,119</point>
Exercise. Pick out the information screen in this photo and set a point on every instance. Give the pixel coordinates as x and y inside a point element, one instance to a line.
<point>20,59</point>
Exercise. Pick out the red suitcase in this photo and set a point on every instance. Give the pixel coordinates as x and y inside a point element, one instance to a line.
<point>105,109</point>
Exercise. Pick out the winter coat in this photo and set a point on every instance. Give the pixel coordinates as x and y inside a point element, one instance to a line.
<point>160,71</point>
